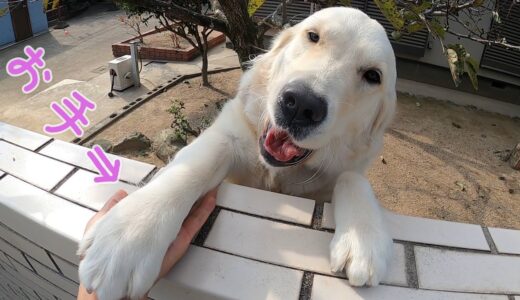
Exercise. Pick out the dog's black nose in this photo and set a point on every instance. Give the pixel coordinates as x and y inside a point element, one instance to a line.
<point>300,106</point>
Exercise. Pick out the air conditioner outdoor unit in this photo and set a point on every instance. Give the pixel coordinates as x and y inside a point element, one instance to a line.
<point>120,70</point>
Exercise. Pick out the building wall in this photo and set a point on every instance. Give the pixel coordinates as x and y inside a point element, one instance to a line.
<point>418,65</point>
<point>435,57</point>
<point>6,27</point>
<point>434,54</point>
<point>38,16</point>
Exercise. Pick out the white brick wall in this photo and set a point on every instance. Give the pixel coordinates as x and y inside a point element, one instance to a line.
<point>260,245</point>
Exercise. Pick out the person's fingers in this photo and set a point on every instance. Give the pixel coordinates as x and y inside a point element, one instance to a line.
<point>197,204</point>
<point>189,229</point>
<point>199,201</point>
<point>118,196</point>
<point>198,217</point>
<point>174,253</point>
<point>192,225</point>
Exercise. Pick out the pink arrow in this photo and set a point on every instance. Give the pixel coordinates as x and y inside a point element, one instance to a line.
<point>109,172</point>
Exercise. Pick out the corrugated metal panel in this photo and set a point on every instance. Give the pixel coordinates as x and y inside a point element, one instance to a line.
<point>410,44</point>
<point>296,11</point>
<point>496,57</point>
<point>414,45</point>
<point>359,4</point>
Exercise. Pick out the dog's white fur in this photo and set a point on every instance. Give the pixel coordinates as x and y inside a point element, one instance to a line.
<point>124,250</point>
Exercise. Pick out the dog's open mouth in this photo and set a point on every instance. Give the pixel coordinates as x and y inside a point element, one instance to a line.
<point>279,150</point>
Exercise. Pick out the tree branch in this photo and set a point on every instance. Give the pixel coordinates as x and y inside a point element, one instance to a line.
<point>269,19</point>
<point>174,11</point>
<point>441,10</point>
<point>503,44</point>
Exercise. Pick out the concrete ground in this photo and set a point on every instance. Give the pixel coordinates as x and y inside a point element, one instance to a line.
<point>78,57</point>
<point>76,52</point>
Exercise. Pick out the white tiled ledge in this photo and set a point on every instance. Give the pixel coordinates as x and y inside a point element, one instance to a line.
<point>259,246</point>
<point>21,137</point>
<point>286,245</point>
<point>327,288</point>
<point>133,171</point>
<point>427,231</point>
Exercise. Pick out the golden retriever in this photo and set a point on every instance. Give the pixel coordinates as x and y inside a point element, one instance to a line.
<point>308,118</point>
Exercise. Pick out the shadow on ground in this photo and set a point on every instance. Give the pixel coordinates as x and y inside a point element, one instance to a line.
<point>445,161</point>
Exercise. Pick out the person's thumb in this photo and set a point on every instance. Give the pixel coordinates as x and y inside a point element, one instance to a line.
<point>118,196</point>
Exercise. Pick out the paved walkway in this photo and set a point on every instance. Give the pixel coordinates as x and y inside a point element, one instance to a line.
<point>76,53</point>
<point>256,245</point>
<point>79,61</point>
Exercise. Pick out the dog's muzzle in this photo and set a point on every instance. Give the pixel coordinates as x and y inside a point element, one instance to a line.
<point>300,109</point>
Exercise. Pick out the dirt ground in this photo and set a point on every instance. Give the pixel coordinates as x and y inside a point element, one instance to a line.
<point>152,117</point>
<point>163,39</point>
<point>441,160</point>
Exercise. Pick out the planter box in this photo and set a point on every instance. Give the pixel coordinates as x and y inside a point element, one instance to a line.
<point>164,53</point>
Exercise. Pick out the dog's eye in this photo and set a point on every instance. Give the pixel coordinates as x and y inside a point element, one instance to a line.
<point>372,77</point>
<point>313,37</point>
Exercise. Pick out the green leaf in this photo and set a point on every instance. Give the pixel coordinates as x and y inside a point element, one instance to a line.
<point>461,185</point>
<point>414,27</point>
<point>408,15</point>
<point>396,35</point>
<point>389,9</point>
<point>437,28</point>
<point>421,8</point>
<point>253,5</point>
<point>453,62</point>
<point>461,62</point>
<point>471,67</point>
<point>496,17</point>
<point>345,2</point>
<point>4,11</point>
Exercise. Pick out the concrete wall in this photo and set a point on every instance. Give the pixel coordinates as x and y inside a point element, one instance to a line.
<point>38,16</point>
<point>435,57</point>
<point>6,27</point>
<point>434,54</point>
<point>433,68</point>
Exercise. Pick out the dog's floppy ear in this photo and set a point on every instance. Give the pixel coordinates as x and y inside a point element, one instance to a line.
<point>384,113</point>
<point>282,39</point>
<point>265,61</point>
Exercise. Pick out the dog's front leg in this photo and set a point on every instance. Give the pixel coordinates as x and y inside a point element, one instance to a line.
<point>124,250</point>
<point>361,245</point>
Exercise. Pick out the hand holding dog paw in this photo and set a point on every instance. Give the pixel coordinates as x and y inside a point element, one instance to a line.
<point>117,286</point>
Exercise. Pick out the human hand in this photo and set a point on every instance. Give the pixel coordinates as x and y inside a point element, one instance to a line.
<point>197,216</point>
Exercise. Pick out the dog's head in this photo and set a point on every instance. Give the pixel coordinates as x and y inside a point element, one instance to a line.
<point>329,77</point>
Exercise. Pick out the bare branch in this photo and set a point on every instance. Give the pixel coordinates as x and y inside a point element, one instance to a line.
<point>174,11</point>
<point>270,19</point>
<point>439,10</point>
<point>178,29</point>
<point>502,43</point>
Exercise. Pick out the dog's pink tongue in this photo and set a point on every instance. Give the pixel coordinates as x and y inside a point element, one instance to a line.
<point>280,146</point>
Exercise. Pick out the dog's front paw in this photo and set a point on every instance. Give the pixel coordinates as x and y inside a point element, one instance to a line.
<point>122,253</point>
<point>364,256</point>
